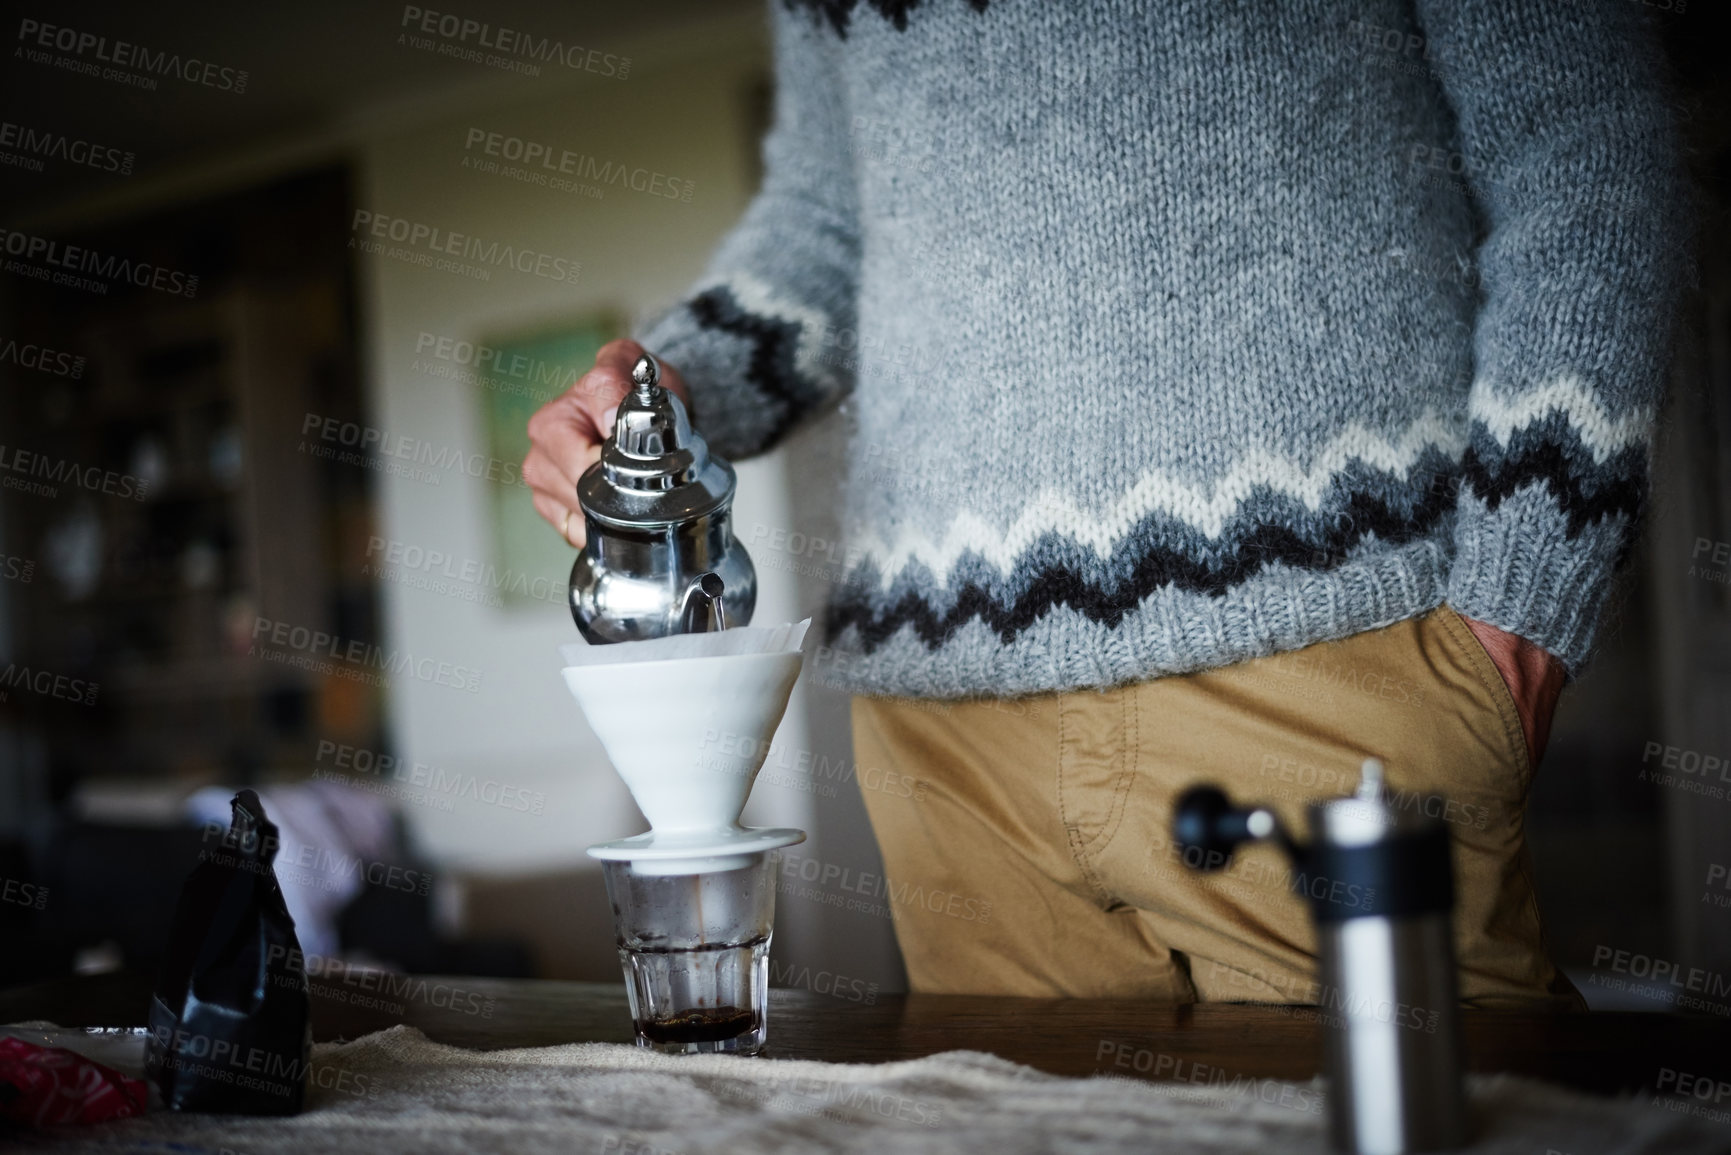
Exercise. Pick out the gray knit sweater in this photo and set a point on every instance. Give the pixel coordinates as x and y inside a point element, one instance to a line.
<point>1179,332</point>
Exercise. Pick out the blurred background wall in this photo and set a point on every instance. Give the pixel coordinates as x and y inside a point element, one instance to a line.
<point>345,124</point>
<point>290,445</point>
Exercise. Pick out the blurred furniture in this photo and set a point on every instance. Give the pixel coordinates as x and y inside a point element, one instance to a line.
<point>209,520</point>
<point>219,520</point>
<point>110,897</point>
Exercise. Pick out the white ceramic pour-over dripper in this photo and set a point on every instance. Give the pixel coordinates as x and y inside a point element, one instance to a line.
<point>688,735</point>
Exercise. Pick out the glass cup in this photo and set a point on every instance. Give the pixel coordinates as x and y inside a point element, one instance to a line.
<point>695,951</point>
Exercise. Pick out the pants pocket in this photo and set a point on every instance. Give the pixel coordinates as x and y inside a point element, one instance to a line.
<point>1473,656</point>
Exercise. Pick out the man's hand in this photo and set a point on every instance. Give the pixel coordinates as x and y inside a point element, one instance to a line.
<point>1533,675</point>
<point>565,435</point>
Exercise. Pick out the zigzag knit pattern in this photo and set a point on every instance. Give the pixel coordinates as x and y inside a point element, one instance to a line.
<point>1177,335</point>
<point>840,12</point>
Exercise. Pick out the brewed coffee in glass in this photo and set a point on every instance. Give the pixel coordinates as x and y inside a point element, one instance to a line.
<point>695,951</point>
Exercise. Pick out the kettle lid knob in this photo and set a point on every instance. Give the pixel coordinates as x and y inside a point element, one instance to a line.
<point>655,469</point>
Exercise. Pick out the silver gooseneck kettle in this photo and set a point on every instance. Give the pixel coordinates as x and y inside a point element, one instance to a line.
<point>659,555</point>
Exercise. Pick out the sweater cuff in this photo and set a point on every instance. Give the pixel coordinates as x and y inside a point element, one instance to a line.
<point>750,361</point>
<point>733,421</point>
<point>1514,569</point>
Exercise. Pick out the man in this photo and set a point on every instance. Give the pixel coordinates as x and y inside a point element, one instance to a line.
<point>1244,389</point>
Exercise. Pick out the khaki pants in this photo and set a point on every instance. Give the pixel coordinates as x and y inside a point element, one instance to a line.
<point>1033,854</point>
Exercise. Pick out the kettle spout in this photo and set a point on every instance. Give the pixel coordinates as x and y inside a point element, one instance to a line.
<point>701,611</point>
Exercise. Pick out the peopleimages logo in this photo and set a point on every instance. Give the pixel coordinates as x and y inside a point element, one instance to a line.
<point>352,658</point>
<point>29,355</point>
<point>258,1068</point>
<point>17,569</point>
<point>47,684</point>
<point>462,38</point>
<point>23,893</point>
<point>1719,556</point>
<point>493,368</point>
<point>25,463</point>
<point>310,864</point>
<point>823,982</point>
<point>413,452</point>
<point>432,243</point>
<point>543,164</point>
<point>31,146</point>
<point>491,792</point>
<point>35,35</point>
<point>870,886</point>
<point>1665,980</point>
<point>467,578</point>
<point>383,985</point>
<point>72,259</point>
<point>1174,1069</point>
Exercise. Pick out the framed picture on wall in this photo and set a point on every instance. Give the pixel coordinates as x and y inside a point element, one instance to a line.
<point>526,371</point>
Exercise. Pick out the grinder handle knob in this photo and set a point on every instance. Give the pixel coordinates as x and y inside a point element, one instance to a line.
<point>1208,828</point>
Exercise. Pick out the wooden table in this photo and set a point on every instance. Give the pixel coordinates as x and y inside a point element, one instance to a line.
<point>1605,1053</point>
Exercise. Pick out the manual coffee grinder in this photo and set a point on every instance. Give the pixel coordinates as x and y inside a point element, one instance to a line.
<point>685,698</point>
<point>1381,891</point>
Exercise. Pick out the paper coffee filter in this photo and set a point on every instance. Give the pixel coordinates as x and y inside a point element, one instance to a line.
<point>721,644</point>
<point>686,721</point>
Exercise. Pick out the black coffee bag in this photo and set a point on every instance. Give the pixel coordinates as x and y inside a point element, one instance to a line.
<point>230,1024</point>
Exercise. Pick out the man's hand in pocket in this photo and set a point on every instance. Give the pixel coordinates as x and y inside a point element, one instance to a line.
<point>1533,675</point>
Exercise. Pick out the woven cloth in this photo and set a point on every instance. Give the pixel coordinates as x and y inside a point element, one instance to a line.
<point>397,1092</point>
